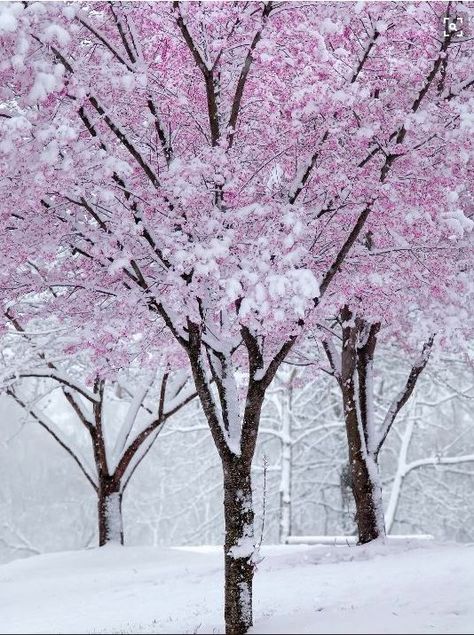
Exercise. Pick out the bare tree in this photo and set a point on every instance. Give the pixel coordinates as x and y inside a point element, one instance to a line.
<point>117,448</point>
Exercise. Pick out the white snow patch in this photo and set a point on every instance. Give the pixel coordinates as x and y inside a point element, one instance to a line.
<point>395,588</point>
<point>56,32</point>
<point>114,517</point>
<point>244,549</point>
<point>8,21</point>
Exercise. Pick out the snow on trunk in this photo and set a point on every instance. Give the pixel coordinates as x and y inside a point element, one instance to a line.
<point>110,517</point>
<point>129,421</point>
<point>357,393</point>
<point>239,547</point>
<point>375,501</point>
<point>366,481</point>
<point>366,426</point>
<point>370,431</point>
<point>229,397</point>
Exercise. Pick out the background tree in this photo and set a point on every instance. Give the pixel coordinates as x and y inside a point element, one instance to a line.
<point>353,370</point>
<point>121,418</point>
<point>175,496</point>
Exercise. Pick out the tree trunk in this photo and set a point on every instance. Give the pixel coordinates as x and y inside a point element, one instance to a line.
<point>235,439</point>
<point>367,491</point>
<point>239,546</point>
<point>359,340</point>
<point>285,493</point>
<point>110,513</point>
<point>364,471</point>
<point>286,464</point>
<point>401,473</point>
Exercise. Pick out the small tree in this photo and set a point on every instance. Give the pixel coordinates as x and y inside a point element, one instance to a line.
<point>120,417</point>
<point>439,457</point>
<point>290,418</point>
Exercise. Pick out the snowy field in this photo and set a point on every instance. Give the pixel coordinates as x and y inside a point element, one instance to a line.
<point>402,588</point>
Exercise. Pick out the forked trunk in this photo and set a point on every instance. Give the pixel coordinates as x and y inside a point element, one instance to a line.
<point>235,440</point>
<point>364,471</point>
<point>359,341</point>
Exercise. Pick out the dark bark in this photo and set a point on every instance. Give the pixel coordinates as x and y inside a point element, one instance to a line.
<point>366,492</point>
<point>109,508</point>
<point>359,341</point>
<point>405,394</point>
<point>354,376</point>
<point>238,546</point>
<point>236,462</point>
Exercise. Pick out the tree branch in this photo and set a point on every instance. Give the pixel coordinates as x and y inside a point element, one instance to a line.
<point>58,440</point>
<point>235,110</point>
<point>296,190</point>
<point>208,74</point>
<point>404,395</point>
<point>338,261</point>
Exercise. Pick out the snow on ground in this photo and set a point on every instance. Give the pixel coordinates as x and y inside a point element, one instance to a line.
<point>399,588</point>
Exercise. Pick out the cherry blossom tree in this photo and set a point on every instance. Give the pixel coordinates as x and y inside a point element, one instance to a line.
<point>413,304</point>
<point>212,168</point>
<point>427,272</point>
